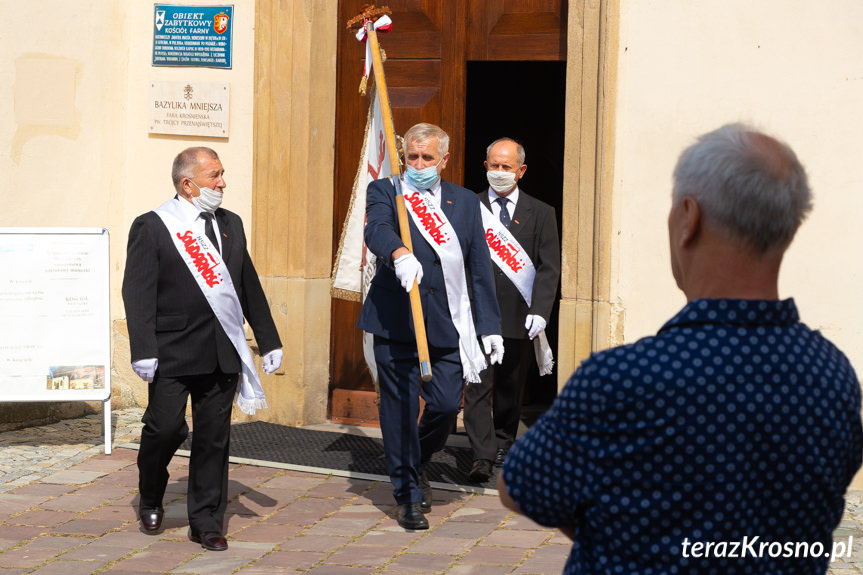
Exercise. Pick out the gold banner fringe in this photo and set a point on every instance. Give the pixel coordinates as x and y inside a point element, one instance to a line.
<point>345,294</point>
<point>339,292</point>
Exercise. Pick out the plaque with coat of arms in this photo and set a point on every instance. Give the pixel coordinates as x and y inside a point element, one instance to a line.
<point>192,36</point>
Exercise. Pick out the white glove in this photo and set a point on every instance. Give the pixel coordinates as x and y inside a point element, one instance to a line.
<point>493,345</point>
<point>272,361</point>
<point>534,325</point>
<point>146,368</point>
<point>408,268</point>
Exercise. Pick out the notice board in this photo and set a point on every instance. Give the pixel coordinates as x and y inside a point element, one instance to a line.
<point>55,344</point>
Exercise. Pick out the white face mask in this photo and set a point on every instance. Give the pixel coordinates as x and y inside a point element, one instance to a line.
<point>208,201</point>
<point>500,181</point>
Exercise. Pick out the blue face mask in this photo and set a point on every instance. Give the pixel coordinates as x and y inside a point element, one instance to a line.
<point>422,179</point>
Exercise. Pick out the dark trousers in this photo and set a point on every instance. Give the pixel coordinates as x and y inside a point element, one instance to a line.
<point>492,408</point>
<point>408,446</point>
<point>165,430</point>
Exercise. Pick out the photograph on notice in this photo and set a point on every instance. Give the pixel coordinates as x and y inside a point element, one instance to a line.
<point>76,377</point>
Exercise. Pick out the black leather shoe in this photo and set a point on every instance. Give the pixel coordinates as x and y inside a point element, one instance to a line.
<point>212,540</point>
<point>426,503</point>
<point>480,471</point>
<point>151,518</point>
<point>500,456</point>
<point>410,516</point>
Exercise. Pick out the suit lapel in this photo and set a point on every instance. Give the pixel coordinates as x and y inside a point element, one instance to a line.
<point>523,214</point>
<point>447,200</point>
<point>226,232</point>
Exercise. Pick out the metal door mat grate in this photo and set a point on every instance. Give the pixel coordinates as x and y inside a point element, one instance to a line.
<point>264,441</point>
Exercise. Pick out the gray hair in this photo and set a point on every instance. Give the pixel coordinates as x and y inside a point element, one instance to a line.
<point>749,184</point>
<point>186,161</point>
<point>423,132</point>
<point>519,150</point>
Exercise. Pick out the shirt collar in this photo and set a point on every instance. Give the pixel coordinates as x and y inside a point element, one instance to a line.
<point>434,189</point>
<point>188,209</point>
<point>735,312</point>
<point>512,196</point>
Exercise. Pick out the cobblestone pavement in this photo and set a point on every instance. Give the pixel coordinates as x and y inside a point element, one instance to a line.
<point>66,508</point>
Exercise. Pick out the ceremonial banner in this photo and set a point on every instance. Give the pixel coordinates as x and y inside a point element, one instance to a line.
<point>379,150</point>
<point>352,258</point>
<point>355,264</point>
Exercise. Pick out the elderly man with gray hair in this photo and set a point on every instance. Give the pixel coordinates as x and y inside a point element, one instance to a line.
<point>451,266</point>
<point>725,443</point>
<point>189,288</point>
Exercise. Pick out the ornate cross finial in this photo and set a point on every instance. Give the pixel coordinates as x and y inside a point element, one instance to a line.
<point>380,21</point>
<point>368,12</point>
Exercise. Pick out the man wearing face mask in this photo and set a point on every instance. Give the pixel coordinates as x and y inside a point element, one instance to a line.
<point>450,263</point>
<point>525,248</point>
<point>189,283</point>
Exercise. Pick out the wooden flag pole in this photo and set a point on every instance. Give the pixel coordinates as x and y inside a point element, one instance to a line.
<point>404,229</point>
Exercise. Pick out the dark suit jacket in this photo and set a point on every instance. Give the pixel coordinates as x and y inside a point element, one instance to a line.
<point>167,315</point>
<point>535,227</point>
<point>386,311</point>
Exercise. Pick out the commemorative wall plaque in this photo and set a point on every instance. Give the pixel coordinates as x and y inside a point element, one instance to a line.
<point>190,108</point>
<point>198,36</point>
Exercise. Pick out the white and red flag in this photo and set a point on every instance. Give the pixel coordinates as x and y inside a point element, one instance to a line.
<point>355,264</point>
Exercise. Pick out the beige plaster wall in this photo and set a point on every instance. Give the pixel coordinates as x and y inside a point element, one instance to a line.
<point>791,67</point>
<point>62,133</point>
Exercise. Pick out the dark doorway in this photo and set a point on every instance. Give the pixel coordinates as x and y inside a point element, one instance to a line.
<point>516,47</point>
<point>524,101</point>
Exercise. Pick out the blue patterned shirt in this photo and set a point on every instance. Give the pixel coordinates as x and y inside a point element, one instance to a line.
<point>723,444</point>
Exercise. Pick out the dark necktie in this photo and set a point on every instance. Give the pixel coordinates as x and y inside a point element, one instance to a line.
<point>208,229</point>
<point>504,213</point>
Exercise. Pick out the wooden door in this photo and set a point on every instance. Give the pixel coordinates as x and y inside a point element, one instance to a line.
<point>427,53</point>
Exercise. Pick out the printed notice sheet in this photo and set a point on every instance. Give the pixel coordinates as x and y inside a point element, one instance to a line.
<point>54,307</point>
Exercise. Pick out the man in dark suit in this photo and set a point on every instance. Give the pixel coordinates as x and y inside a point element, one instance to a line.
<point>448,217</point>
<point>493,408</point>
<point>187,261</point>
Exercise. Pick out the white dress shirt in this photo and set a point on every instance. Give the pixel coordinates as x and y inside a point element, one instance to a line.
<point>192,216</point>
<point>510,205</point>
<point>433,192</point>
